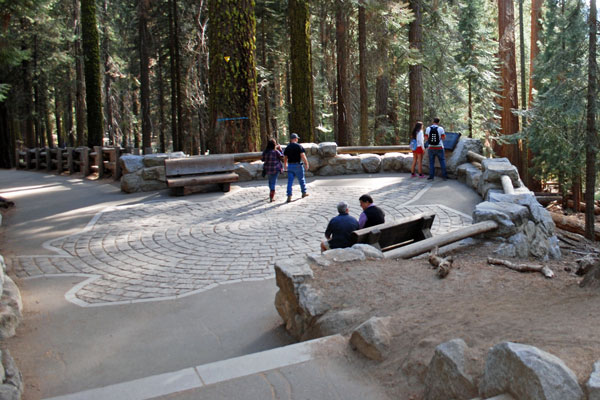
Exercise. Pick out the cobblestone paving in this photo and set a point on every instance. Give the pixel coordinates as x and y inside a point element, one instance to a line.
<point>176,247</point>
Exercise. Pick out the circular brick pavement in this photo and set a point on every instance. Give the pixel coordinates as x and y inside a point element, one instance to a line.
<point>176,247</point>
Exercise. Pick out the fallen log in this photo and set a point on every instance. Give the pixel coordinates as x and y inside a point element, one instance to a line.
<point>572,224</point>
<point>545,200</point>
<point>582,207</point>
<point>443,265</point>
<point>547,272</point>
<point>423,246</point>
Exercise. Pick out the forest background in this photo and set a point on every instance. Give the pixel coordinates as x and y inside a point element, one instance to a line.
<point>223,76</point>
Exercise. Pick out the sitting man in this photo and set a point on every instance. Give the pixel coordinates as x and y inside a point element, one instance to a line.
<point>339,230</point>
<point>371,215</point>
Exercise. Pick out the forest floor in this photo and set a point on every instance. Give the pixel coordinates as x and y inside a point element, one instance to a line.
<point>480,303</point>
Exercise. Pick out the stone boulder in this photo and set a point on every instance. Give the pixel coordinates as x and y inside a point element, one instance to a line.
<point>371,163</point>
<point>328,149</point>
<point>392,162</point>
<point>334,322</point>
<point>510,217</point>
<point>537,213</point>
<point>369,251</point>
<point>468,174</point>
<point>151,185</point>
<point>154,173</point>
<point>11,308</point>
<point>459,154</point>
<point>315,162</point>
<point>447,377</point>
<point>130,183</point>
<point>529,373</point>
<point>592,386</point>
<point>11,388</point>
<point>311,149</point>
<point>349,164</point>
<point>372,338</point>
<point>344,255</point>
<point>131,163</point>
<point>158,160</point>
<point>249,171</point>
<point>494,168</point>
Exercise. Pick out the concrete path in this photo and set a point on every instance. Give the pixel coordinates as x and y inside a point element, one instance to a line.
<point>210,256</point>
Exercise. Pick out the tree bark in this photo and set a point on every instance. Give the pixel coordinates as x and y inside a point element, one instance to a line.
<point>267,99</point>
<point>364,93</point>
<point>233,103</point>
<point>108,110</point>
<point>382,89</point>
<point>144,49</point>
<point>161,104</point>
<point>341,23</point>
<point>591,134</point>
<point>91,53</point>
<point>572,224</point>
<point>415,72</point>
<point>301,118</point>
<point>173,64</point>
<point>509,99</point>
<point>60,139</point>
<point>6,160</point>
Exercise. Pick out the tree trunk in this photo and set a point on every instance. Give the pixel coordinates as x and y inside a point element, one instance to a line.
<point>591,135</point>
<point>144,49</point>
<point>69,132</point>
<point>509,99</point>
<point>470,111</point>
<point>364,94</point>
<point>233,103</point>
<point>161,104</point>
<point>60,139</point>
<point>267,98</point>
<point>415,72</point>
<point>302,117</point>
<point>342,74</point>
<point>178,79</point>
<point>173,64</point>
<point>27,110</point>
<point>46,112</point>
<point>79,79</point>
<point>382,89</point>
<point>6,149</point>
<point>91,52</point>
<point>110,128</point>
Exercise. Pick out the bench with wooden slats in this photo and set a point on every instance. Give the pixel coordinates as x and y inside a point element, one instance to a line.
<point>188,175</point>
<point>391,235</point>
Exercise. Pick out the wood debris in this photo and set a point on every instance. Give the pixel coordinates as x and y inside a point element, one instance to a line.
<point>547,272</point>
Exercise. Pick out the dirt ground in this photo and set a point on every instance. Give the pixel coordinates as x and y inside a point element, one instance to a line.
<point>482,304</point>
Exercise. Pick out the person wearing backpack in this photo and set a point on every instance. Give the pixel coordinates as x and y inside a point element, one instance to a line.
<point>434,137</point>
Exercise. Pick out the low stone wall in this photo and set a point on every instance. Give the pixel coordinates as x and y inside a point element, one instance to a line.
<point>11,309</point>
<point>146,173</point>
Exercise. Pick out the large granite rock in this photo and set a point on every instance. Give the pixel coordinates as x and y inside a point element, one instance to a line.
<point>249,171</point>
<point>11,309</point>
<point>158,160</point>
<point>447,377</point>
<point>372,338</point>
<point>369,251</point>
<point>328,149</point>
<point>344,255</point>
<point>154,173</point>
<point>459,155</point>
<point>349,164</point>
<point>131,163</point>
<point>592,386</point>
<point>371,163</point>
<point>392,162</point>
<point>528,373</point>
<point>495,168</point>
<point>334,322</point>
<point>537,213</point>
<point>12,386</point>
<point>510,217</point>
<point>311,149</point>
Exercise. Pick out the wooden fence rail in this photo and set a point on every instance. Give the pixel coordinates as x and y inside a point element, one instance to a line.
<point>103,161</point>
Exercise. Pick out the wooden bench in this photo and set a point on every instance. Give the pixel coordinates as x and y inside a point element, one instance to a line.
<point>187,175</point>
<point>391,235</point>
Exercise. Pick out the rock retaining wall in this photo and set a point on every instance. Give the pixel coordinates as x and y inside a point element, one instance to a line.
<point>525,226</point>
<point>146,173</point>
<point>11,309</point>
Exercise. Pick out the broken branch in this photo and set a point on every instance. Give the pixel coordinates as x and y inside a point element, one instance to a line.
<point>547,272</point>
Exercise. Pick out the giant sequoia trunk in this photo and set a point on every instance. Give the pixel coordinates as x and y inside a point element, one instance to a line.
<point>343,138</point>
<point>144,49</point>
<point>108,109</point>
<point>591,135</point>
<point>6,148</point>
<point>91,58</point>
<point>233,103</point>
<point>509,99</point>
<point>415,72</point>
<point>301,117</point>
<point>362,57</point>
<point>79,79</point>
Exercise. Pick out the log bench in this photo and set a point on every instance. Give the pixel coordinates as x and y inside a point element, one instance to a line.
<point>391,235</point>
<point>188,175</point>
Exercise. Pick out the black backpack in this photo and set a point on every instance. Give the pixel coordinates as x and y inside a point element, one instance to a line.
<point>434,137</point>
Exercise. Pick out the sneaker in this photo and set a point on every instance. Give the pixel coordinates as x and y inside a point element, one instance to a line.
<point>289,199</point>
<point>430,178</point>
<point>412,175</point>
<point>304,194</point>
<point>421,176</point>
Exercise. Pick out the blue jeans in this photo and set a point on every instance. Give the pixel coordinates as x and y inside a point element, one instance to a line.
<point>273,180</point>
<point>296,170</point>
<point>439,153</point>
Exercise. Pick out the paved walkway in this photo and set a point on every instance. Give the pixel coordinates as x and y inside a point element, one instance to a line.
<point>175,247</point>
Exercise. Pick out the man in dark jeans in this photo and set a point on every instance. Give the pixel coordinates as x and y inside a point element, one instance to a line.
<point>434,136</point>
<point>339,230</point>
<point>371,215</point>
<point>294,161</point>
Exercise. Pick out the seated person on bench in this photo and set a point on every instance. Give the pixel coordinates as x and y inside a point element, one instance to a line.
<point>339,230</point>
<point>371,215</point>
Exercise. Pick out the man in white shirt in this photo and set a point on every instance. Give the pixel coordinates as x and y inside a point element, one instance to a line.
<point>434,136</point>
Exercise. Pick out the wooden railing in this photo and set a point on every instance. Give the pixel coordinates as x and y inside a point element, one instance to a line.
<point>104,161</point>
